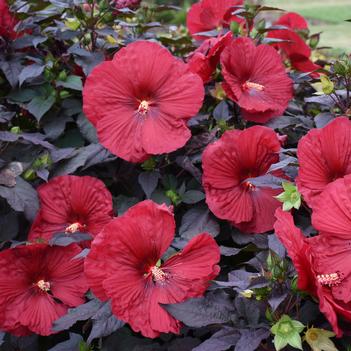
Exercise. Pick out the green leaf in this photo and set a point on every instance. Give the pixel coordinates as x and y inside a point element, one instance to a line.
<point>327,85</point>
<point>72,82</point>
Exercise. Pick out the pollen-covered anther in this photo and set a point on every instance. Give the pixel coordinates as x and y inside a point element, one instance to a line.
<point>251,85</point>
<point>158,274</point>
<point>43,285</point>
<point>143,107</point>
<point>331,279</point>
<point>75,227</point>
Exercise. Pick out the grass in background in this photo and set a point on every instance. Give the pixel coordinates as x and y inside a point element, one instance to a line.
<point>327,16</point>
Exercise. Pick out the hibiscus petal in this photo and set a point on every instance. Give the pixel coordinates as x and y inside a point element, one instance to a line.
<point>143,234</point>
<point>67,280</point>
<point>156,127</point>
<point>324,155</point>
<point>264,206</point>
<point>298,249</point>
<point>40,312</point>
<point>196,263</point>
<point>332,212</point>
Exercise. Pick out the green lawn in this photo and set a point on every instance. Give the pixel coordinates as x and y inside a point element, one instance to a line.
<point>327,16</point>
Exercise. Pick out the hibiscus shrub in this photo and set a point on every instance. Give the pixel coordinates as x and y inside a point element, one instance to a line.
<point>172,178</point>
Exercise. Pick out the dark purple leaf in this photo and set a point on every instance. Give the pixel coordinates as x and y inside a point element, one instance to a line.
<point>31,71</point>
<point>148,181</point>
<point>192,196</point>
<point>221,111</point>
<point>214,308</point>
<point>220,341</point>
<point>266,180</point>
<point>250,339</point>
<point>187,164</point>
<point>198,220</point>
<point>275,245</point>
<point>80,313</point>
<point>64,239</point>
<point>22,198</point>
<point>323,118</point>
<point>276,298</point>
<point>104,323</point>
<point>70,345</point>
<point>12,70</point>
<point>40,105</point>
<point>87,129</point>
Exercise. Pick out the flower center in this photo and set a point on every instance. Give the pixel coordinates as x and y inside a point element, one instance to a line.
<point>330,280</point>
<point>143,107</point>
<point>251,85</point>
<point>43,285</point>
<point>158,274</point>
<point>75,227</point>
<point>249,186</point>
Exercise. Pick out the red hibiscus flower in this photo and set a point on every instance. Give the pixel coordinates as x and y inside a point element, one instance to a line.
<point>124,266</point>
<point>208,15</point>
<point>293,21</point>
<point>72,204</point>
<point>293,46</point>
<point>332,213</point>
<point>7,22</point>
<point>258,83</point>
<point>323,267</point>
<point>38,283</point>
<point>141,100</point>
<point>228,164</point>
<point>120,4</point>
<point>324,155</point>
<point>204,60</point>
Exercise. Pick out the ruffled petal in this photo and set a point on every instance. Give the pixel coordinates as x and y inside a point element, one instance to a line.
<point>156,127</point>
<point>298,249</point>
<point>324,155</point>
<point>255,78</point>
<point>264,205</point>
<point>146,88</point>
<point>292,20</point>
<point>192,269</point>
<point>140,237</point>
<point>40,311</point>
<point>332,213</point>
<point>67,280</point>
